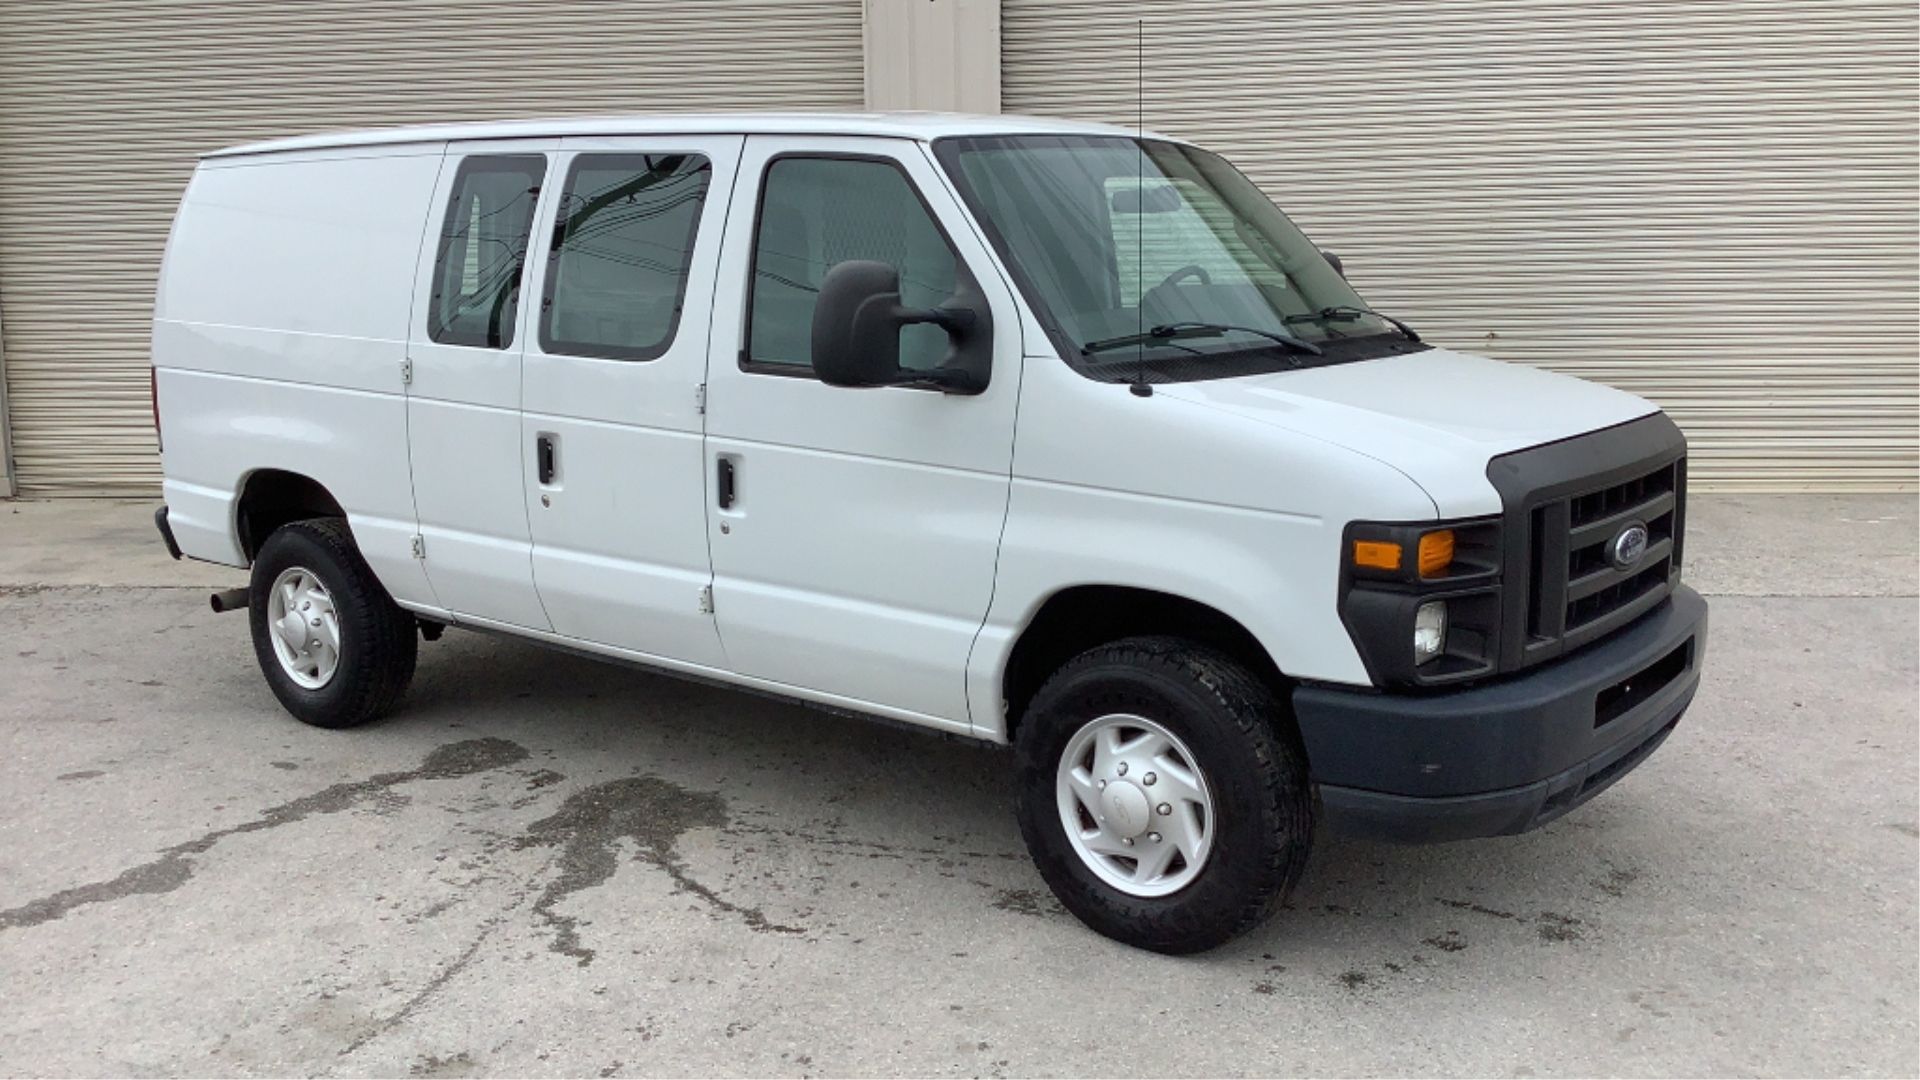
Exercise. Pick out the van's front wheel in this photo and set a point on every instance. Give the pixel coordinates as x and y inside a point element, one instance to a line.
<point>334,647</point>
<point>1163,794</point>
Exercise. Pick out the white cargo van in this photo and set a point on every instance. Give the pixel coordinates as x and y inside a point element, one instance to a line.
<point>1030,431</point>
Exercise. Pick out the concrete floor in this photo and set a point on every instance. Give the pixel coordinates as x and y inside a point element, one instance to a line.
<point>545,865</point>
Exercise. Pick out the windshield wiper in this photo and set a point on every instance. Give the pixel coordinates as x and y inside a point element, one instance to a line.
<point>1167,332</point>
<point>1348,313</point>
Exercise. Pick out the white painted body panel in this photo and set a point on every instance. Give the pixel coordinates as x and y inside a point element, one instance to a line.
<point>620,536</point>
<point>463,422</point>
<point>859,557</point>
<point>1438,415</point>
<point>887,547</point>
<point>279,328</point>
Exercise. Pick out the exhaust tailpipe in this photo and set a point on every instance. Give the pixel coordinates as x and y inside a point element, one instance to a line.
<point>230,600</point>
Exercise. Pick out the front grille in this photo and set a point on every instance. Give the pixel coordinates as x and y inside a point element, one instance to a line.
<point>1596,589</point>
<point>1566,505</point>
<point>1577,594</point>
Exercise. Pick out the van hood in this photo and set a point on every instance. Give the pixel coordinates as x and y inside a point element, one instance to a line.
<point>1436,415</point>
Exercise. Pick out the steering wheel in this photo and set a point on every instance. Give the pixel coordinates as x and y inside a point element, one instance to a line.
<point>1165,302</point>
<point>1191,270</point>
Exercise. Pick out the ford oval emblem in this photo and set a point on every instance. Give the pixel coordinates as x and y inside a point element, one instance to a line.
<point>1628,545</point>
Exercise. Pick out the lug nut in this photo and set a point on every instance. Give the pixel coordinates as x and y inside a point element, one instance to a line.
<point>1121,768</point>
<point>1164,809</point>
<point>1103,785</point>
<point>1148,779</point>
<point>1127,840</point>
<point>1154,836</point>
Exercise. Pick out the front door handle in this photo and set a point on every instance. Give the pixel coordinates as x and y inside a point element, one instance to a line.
<point>544,453</point>
<point>723,483</point>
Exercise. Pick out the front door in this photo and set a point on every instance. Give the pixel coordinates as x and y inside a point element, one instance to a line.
<point>615,360</point>
<point>853,531</point>
<point>463,400</point>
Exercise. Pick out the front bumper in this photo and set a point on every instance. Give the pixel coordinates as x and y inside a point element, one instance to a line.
<point>1508,756</point>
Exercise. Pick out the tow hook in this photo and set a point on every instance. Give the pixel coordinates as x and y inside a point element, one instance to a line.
<point>229,600</point>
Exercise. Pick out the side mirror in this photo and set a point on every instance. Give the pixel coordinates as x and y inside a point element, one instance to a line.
<point>857,319</point>
<point>1334,261</point>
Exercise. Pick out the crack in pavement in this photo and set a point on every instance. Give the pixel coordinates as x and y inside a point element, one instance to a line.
<point>174,866</point>
<point>444,976</point>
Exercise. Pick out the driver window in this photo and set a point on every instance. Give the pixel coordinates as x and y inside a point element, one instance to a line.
<point>817,212</point>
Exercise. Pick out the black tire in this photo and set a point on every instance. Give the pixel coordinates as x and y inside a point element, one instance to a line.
<point>1243,740</point>
<point>378,644</point>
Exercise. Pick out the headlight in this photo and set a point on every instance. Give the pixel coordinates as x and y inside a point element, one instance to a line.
<point>1436,584</point>
<point>1429,631</point>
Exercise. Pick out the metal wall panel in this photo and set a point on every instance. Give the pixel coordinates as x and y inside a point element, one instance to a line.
<point>104,105</point>
<point>1708,202</point>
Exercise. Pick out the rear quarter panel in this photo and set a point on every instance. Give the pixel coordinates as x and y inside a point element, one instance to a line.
<point>280,326</point>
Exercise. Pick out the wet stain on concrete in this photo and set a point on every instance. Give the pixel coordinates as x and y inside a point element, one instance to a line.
<point>1556,927</point>
<point>1904,827</point>
<point>1451,941</point>
<point>653,814</point>
<point>1616,881</point>
<point>1026,902</point>
<point>83,774</point>
<point>1551,925</point>
<point>1354,980</point>
<point>540,778</point>
<point>1479,909</point>
<point>286,765</point>
<point>174,866</point>
<point>460,1064</point>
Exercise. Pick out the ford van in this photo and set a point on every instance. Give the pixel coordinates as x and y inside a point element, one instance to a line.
<point>1042,433</point>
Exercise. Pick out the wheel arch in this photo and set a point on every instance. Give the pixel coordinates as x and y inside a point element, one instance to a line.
<point>270,498</point>
<point>1080,617</point>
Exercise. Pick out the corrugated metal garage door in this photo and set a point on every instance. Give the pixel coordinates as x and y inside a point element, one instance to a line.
<point>104,105</point>
<point>1710,203</point>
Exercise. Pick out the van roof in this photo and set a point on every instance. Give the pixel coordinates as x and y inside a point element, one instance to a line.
<point>902,125</point>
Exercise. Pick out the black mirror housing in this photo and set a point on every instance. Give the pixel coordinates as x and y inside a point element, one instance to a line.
<point>1334,261</point>
<point>856,325</point>
<point>857,319</point>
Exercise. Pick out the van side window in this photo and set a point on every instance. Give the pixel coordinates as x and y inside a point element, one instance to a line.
<point>816,212</point>
<point>483,245</point>
<point>621,245</point>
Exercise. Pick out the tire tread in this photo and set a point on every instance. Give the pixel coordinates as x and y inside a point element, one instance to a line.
<point>382,632</point>
<point>1263,729</point>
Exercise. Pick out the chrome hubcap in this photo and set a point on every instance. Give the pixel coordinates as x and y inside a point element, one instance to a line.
<point>304,628</point>
<point>1135,806</point>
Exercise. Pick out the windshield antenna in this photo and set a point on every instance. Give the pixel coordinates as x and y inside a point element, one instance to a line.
<point>1140,387</point>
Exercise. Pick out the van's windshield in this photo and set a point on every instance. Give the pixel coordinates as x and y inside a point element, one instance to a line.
<point>1157,261</point>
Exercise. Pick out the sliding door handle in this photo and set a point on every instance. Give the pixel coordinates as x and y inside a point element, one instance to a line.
<point>544,454</point>
<point>723,483</point>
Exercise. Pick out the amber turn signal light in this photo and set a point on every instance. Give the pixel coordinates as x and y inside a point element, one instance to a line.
<point>1436,552</point>
<point>1376,554</point>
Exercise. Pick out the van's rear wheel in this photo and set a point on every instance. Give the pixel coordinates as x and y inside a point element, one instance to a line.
<point>334,647</point>
<point>1163,794</point>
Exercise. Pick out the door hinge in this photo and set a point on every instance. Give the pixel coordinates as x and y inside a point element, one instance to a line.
<point>706,599</point>
<point>406,373</point>
<point>700,399</point>
<point>419,546</point>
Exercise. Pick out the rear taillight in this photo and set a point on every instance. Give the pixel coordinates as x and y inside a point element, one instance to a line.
<point>153,394</point>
